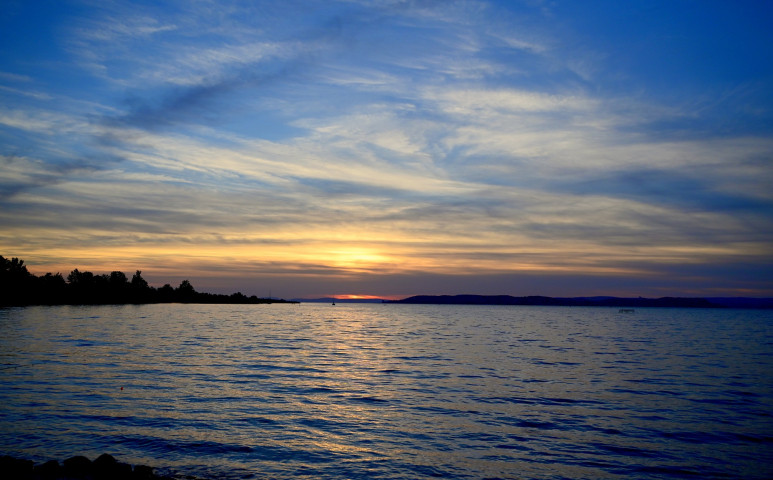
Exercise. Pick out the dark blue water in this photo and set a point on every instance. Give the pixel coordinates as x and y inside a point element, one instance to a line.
<point>392,391</point>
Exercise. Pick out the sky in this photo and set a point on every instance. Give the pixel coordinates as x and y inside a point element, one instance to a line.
<point>392,148</point>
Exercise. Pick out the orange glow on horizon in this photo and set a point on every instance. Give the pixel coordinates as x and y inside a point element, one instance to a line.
<point>366,297</point>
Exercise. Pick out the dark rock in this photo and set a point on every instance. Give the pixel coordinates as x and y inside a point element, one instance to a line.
<point>49,470</point>
<point>122,471</point>
<point>143,472</point>
<point>15,468</point>
<point>105,461</point>
<point>105,467</point>
<point>108,468</point>
<point>78,466</point>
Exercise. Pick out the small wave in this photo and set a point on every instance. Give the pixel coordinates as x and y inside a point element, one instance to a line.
<point>509,446</point>
<point>541,400</point>
<point>367,399</point>
<point>750,438</point>
<point>671,471</point>
<point>697,437</point>
<point>742,393</point>
<point>534,424</point>
<point>628,451</point>
<point>174,449</point>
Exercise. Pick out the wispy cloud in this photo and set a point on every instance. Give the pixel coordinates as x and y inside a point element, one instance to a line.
<point>456,140</point>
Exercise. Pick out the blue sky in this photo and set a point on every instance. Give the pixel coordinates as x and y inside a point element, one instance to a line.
<point>392,147</point>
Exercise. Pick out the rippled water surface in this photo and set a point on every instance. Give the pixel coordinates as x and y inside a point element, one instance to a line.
<point>392,391</point>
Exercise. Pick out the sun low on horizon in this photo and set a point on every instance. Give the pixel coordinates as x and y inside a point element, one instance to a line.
<point>364,297</point>
<point>359,149</point>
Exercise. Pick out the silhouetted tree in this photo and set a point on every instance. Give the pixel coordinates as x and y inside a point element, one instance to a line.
<point>77,278</point>
<point>166,293</point>
<point>116,288</point>
<point>52,289</point>
<point>16,283</point>
<point>13,268</point>
<point>185,292</point>
<point>19,287</point>
<point>118,280</point>
<point>85,287</point>
<point>140,291</point>
<point>138,282</point>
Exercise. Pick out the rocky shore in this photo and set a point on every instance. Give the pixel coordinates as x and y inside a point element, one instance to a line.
<point>104,467</point>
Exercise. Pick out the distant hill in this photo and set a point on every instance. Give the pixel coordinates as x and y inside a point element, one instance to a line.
<point>680,302</point>
<point>596,301</point>
<point>742,302</point>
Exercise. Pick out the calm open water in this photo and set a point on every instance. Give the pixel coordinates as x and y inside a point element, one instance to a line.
<point>365,391</point>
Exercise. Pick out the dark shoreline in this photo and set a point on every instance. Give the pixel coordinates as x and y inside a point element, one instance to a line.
<point>641,302</point>
<point>104,467</point>
<point>20,288</point>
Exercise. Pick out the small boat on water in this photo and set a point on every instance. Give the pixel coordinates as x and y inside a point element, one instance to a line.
<point>626,310</point>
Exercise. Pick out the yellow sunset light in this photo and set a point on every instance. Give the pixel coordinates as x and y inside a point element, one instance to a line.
<point>356,258</point>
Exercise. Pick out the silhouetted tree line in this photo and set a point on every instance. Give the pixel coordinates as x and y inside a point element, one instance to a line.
<point>19,287</point>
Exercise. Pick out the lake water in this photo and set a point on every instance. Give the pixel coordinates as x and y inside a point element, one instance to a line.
<point>363,391</point>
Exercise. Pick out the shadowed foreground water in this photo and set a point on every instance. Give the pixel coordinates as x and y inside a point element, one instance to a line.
<point>392,391</point>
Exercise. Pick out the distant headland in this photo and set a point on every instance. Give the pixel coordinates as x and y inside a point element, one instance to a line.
<point>674,302</point>
<point>19,287</point>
